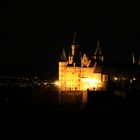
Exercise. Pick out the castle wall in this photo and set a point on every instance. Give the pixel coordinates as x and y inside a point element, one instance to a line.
<point>73,78</point>
<point>62,73</point>
<point>77,78</point>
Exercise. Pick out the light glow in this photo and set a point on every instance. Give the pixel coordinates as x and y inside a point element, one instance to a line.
<point>91,80</point>
<point>115,78</point>
<point>57,83</point>
<point>90,83</point>
<point>45,83</point>
<point>134,78</point>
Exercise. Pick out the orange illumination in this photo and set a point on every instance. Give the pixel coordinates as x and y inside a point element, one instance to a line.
<point>91,80</point>
<point>90,83</point>
<point>57,83</point>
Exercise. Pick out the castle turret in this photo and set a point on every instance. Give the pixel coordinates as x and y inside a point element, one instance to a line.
<point>63,56</point>
<point>74,54</point>
<point>98,57</point>
<point>70,60</point>
<point>62,69</point>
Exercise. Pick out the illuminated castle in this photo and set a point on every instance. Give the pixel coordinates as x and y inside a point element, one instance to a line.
<point>78,72</point>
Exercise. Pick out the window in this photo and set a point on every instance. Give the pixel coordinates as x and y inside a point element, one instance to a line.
<point>105,78</point>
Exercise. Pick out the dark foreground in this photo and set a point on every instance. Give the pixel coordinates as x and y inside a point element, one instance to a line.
<point>36,111</point>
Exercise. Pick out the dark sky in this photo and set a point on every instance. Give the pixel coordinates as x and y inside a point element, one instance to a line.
<point>34,38</point>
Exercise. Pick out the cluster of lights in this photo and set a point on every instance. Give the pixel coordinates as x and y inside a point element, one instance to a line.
<point>116,78</point>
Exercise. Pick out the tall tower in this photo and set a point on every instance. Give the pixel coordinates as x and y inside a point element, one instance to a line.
<point>73,44</point>
<point>98,57</point>
<point>62,69</point>
<point>74,54</point>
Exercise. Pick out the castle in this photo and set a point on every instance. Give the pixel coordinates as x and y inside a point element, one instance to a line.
<point>77,72</point>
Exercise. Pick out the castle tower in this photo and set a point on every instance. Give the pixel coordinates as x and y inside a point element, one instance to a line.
<point>74,53</point>
<point>70,60</point>
<point>73,44</point>
<point>98,57</point>
<point>63,56</point>
<point>62,69</point>
<point>72,50</point>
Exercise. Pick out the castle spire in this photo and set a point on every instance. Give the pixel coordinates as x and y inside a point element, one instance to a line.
<point>74,38</point>
<point>98,50</point>
<point>98,43</point>
<point>73,44</point>
<point>133,57</point>
<point>97,54</point>
<point>63,56</point>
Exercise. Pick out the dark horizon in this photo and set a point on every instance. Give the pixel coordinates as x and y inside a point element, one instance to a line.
<point>36,41</point>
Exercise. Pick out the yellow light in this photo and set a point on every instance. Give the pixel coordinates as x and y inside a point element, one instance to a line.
<point>57,83</point>
<point>90,83</point>
<point>45,83</point>
<point>91,80</point>
<point>134,78</point>
<point>115,78</point>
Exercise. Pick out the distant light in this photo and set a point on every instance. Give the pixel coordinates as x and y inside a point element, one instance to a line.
<point>134,78</point>
<point>115,78</point>
<point>45,83</point>
<point>123,78</point>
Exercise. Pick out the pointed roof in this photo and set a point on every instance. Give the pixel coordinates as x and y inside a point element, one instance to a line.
<point>63,56</point>
<point>77,57</point>
<point>98,50</point>
<point>74,38</point>
<point>133,57</point>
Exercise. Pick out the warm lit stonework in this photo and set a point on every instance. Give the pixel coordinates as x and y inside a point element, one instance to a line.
<point>78,72</point>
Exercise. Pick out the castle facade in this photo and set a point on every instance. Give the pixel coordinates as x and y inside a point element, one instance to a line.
<point>78,72</point>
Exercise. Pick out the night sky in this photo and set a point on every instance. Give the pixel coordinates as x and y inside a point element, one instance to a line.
<point>34,38</point>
